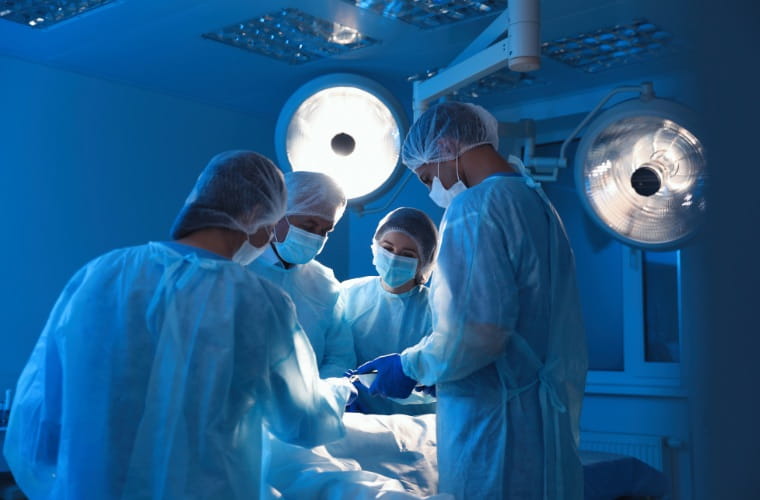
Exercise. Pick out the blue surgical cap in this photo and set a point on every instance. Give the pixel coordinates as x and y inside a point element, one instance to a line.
<point>314,193</point>
<point>239,190</point>
<point>418,226</point>
<point>446,131</point>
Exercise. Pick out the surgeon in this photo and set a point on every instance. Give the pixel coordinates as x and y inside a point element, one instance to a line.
<point>507,352</point>
<point>391,311</point>
<point>160,363</point>
<point>315,204</point>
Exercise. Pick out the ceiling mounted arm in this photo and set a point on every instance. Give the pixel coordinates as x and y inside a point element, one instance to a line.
<point>520,50</point>
<point>547,168</point>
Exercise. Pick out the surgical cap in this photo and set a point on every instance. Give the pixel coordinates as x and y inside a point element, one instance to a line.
<point>446,131</point>
<point>312,193</point>
<point>239,190</point>
<point>418,226</point>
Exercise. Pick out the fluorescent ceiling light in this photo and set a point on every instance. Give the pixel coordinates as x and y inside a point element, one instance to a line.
<point>610,47</point>
<point>292,36</point>
<point>431,14</point>
<point>44,13</point>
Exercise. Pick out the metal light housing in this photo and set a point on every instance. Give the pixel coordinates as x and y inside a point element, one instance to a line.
<point>345,126</point>
<point>641,173</point>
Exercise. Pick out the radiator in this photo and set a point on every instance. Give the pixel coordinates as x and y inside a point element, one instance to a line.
<point>648,449</point>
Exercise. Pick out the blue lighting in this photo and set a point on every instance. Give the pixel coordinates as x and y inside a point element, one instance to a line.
<point>44,13</point>
<point>431,13</point>
<point>610,47</point>
<point>293,36</point>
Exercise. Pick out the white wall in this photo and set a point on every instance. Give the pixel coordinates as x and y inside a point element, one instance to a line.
<point>88,165</point>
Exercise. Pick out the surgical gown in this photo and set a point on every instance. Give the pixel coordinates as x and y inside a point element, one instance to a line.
<point>153,377</point>
<point>508,349</point>
<point>382,322</point>
<point>314,290</point>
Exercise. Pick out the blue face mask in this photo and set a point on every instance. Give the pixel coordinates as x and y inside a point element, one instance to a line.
<point>300,246</point>
<point>247,253</point>
<point>395,270</point>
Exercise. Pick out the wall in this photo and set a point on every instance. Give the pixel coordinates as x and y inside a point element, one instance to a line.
<point>89,165</point>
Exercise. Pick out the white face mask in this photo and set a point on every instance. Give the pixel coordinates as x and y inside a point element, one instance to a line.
<point>442,196</point>
<point>395,270</point>
<point>247,253</point>
<point>300,246</point>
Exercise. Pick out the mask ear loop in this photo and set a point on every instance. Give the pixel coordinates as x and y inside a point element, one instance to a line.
<point>274,238</point>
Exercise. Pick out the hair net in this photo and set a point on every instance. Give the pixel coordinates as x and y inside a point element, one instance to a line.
<point>418,226</point>
<point>446,131</point>
<point>313,193</point>
<point>239,190</point>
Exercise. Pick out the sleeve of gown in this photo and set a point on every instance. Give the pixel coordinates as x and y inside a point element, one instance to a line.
<point>300,408</point>
<point>33,435</point>
<point>473,295</point>
<point>339,354</point>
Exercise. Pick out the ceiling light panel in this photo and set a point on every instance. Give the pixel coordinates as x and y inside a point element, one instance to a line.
<point>501,81</point>
<point>44,13</point>
<point>610,47</point>
<point>431,13</point>
<point>292,36</point>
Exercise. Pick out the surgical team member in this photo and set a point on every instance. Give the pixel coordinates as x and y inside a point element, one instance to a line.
<point>160,363</point>
<point>315,204</point>
<point>507,351</point>
<point>391,312</point>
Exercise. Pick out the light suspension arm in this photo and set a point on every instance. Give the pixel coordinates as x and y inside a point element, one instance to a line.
<point>546,168</point>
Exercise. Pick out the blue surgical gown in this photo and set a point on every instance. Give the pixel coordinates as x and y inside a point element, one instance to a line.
<point>508,349</point>
<point>315,291</point>
<point>153,377</point>
<point>382,322</point>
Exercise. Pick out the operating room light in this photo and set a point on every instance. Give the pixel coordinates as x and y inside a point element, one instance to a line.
<point>344,130</point>
<point>642,174</point>
<point>44,13</point>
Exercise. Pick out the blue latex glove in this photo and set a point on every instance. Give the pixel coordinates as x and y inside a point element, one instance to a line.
<point>391,381</point>
<point>355,406</point>
<point>426,389</point>
<point>353,398</point>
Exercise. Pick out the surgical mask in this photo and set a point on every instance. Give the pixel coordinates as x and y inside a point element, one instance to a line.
<point>300,246</point>
<point>247,253</point>
<point>442,196</point>
<point>395,270</point>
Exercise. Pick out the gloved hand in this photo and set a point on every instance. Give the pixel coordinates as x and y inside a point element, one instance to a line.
<point>353,404</point>
<point>353,397</point>
<point>391,381</point>
<point>426,389</point>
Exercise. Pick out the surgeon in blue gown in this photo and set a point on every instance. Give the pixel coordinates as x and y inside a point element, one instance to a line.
<point>391,311</point>
<point>507,352</point>
<point>160,364</point>
<point>315,205</point>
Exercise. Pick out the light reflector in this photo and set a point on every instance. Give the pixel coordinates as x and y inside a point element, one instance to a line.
<point>44,13</point>
<point>642,175</point>
<point>292,36</point>
<point>346,130</point>
<point>431,14</point>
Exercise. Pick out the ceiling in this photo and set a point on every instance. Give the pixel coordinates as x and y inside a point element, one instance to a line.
<point>158,45</point>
